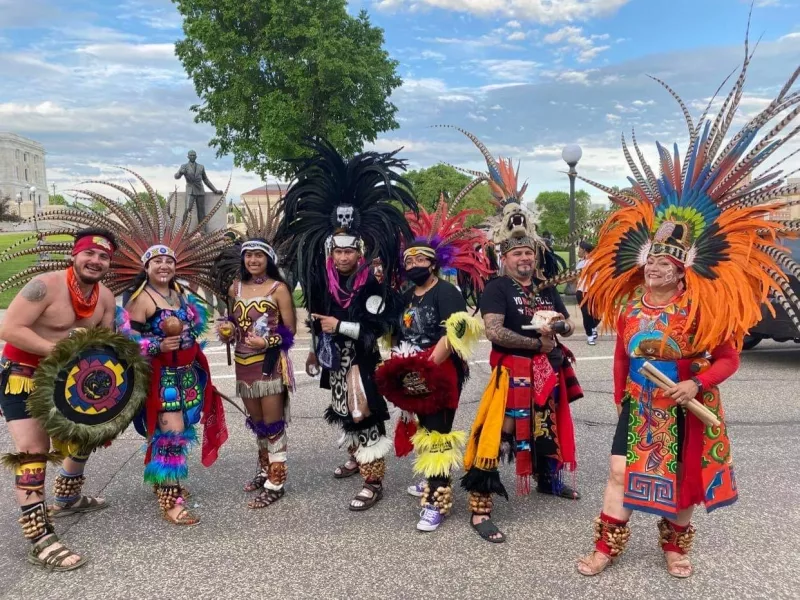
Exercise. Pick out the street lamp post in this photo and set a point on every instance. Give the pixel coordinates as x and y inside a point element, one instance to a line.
<point>19,204</point>
<point>571,155</point>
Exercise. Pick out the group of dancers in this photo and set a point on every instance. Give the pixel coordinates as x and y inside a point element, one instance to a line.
<point>679,271</point>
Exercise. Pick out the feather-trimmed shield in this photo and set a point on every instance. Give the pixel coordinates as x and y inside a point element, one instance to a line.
<point>89,388</point>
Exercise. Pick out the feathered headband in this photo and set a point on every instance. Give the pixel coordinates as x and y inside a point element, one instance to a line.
<point>444,237</point>
<point>711,212</point>
<point>260,228</point>
<point>143,226</point>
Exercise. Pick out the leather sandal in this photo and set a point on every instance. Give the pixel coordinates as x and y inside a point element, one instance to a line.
<point>343,471</point>
<point>54,560</point>
<point>590,568</point>
<point>256,483</point>
<point>266,498</point>
<point>486,529</point>
<point>367,502</point>
<point>84,504</point>
<point>677,561</point>
<point>184,517</point>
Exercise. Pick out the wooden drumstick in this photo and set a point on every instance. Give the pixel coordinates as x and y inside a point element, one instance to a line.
<point>663,382</point>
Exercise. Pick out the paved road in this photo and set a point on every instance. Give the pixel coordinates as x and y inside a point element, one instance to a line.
<point>310,545</point>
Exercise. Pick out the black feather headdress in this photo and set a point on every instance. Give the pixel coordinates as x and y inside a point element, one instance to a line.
<point>336,202</point>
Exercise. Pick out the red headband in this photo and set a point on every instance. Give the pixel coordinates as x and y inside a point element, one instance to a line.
<point>93,242</point>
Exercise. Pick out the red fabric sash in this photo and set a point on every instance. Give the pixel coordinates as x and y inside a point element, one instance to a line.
<point>542,379</point>
<point>83,306</point>
<point>22,357</point>
<point>215,430</point>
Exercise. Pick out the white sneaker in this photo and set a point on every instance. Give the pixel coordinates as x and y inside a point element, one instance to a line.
<point>417,489</point>
<point>591,340</point>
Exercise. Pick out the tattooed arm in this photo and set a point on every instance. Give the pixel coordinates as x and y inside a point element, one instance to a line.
<point>24,311</point>
<point>497,334</point>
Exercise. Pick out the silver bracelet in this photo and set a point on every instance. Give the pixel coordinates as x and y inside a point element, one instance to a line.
<point>350,329</point>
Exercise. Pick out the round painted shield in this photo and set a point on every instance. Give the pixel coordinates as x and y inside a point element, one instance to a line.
<point>90,387</point>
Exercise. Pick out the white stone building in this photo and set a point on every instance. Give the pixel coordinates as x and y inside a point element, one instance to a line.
<point>23,176</point>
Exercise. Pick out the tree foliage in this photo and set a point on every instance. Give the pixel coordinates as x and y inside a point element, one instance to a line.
<point>58,200</point>
<point>271,72</point>
<point>553,208</point>
<point>428,183</point>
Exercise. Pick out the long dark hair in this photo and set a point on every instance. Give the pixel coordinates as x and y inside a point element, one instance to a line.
<point>272,271</point>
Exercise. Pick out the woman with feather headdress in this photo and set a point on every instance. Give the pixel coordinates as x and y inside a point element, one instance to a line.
<point>339,216</point>
<point>436,335</point>
<point>168,321</point>
<point>524,414</point>
<point>261,325</point>
<point>682,269</point>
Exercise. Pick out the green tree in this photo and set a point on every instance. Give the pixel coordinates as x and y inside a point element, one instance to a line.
<point>428,183</point>
<point>58,200</point>
<point>271,72</point>
<point>553,210</point>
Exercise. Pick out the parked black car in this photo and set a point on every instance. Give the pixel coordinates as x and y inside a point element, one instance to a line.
<point>779,328</point>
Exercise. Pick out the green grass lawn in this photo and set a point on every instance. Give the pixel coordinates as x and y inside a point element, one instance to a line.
<point>15,265</point>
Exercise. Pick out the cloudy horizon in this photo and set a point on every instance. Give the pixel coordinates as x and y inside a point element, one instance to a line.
<point>100,86</point>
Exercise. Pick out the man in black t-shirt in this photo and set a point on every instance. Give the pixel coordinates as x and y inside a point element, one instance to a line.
<point>524,414</point>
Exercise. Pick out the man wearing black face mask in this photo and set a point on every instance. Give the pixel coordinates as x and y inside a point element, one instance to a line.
<point>425,375</point>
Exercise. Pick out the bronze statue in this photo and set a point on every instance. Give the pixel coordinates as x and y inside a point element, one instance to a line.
<point>195,175</point>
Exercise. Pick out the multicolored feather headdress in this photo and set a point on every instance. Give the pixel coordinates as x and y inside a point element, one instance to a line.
<point>516,227</point>
<point>344,203</point>
<point>144,228</point>
<point>712,213</point>
<point>445,238</point>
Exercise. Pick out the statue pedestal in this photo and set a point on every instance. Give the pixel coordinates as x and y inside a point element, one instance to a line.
<point>218,219</point>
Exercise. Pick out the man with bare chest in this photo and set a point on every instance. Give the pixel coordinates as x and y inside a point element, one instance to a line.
<point>44,312</point>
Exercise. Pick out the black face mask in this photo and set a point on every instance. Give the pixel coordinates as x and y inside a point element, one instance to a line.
<point>418,275</point>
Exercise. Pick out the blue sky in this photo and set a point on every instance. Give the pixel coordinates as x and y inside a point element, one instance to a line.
<point>97,81</point>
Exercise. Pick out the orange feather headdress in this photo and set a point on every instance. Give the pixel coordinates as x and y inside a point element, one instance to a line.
<point>710,212</point>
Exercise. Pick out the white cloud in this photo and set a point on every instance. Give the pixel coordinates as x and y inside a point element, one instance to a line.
<point>540,11</point>
<point>643,102</point>
<point>509,70</point>
<point>475,117</point>
<point>517,36</point>
<point>613,119</point>
<point>131,52</point>
<point>570,76</point>
<point>513,24</point>
<point>456,98</point>
<point>571,39</point>
<point>431,55</point>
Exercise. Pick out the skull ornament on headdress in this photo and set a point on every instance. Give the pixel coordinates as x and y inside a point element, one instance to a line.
<point>343,203</point>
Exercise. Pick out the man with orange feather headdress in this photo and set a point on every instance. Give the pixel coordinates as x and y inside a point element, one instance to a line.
<point>524,414</point>
<point>682,269</point>
<point>436,335</point>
